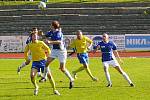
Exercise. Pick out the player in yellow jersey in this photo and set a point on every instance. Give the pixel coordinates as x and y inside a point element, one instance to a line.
<point>81,45</point>
<point>27,62</point>
<point>38,49</point>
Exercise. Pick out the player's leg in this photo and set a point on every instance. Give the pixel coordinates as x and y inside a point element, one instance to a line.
<point>80,68</point>
<point>107,74</point>
<point>62,56</point>
<point>83,58</point>
<point>76,71</point>
<point>51,79</point>
<point>51,57</point>
<point>46,69</point>
<point>33,80</point>
<point>120,70</point>
<point>88,71</point>
<point>49,75</point>
<point>23,65</point>
<point>124,74</point>
<point>39,73</point>
<point>67,73</point>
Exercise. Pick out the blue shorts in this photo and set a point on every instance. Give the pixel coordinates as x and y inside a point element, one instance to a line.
<point>83,58</point>
<point>39,65</point>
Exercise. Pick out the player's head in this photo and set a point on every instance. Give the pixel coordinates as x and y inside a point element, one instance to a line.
<point>34,37</point>
<point>55,25</point>
<point>40,33</point>
<point>105,37</point>
<point>34,30</point>
<point>79,34</point>
<point>34,34</point>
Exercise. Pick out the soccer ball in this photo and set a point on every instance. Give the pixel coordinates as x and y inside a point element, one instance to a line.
<point>42,5</point>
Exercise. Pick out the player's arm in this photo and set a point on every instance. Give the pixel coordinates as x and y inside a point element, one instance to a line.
<point>54,42</point>
<point>97,47</point>
<point>116,52</point>
<point>117,55</point>
<point>71,46</point>
<point>26,50</point>
<point>90,43</point>
<point>46,48</point>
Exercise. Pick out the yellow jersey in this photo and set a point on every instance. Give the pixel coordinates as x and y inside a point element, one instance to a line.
<point>37,50</point>
<point>81,45</point>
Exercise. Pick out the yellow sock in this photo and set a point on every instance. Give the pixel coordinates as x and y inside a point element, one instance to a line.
<point>52,83</point>
<point>34,82</point>
<point>78,70</point>
<point>89,72</point>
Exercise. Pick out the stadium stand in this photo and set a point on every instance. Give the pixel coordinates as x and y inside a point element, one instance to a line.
<point>92,18</point>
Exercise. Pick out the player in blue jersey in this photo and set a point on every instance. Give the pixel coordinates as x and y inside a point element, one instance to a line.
<point>107,48</point>
<point>58,50</point>
<point>27,62</point>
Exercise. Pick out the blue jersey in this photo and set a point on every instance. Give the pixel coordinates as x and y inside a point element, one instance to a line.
<point>55,36</point>
<point>28,40</point>
<point>107,50</point>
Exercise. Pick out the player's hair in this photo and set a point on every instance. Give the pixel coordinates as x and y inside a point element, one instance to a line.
<point>34,28</point>
<point>56,24</point>
<point>79,31</point>
<point>106,33</point>
<point>40,32</point>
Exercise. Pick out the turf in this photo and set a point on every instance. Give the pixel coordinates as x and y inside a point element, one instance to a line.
<point>19,87</point>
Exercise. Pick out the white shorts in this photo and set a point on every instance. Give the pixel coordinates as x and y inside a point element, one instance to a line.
<point>113,63</point>
<point>60,54</point>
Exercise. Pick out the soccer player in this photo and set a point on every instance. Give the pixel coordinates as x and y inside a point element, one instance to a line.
<point>38,49</point>
<point>27,62</point>
<point>107,48</point>
<point>59,51</point>
<point>81,45</point>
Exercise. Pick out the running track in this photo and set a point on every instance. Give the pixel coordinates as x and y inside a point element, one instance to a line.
<point>122,54</point>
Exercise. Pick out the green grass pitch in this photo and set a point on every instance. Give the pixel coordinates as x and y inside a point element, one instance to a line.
<point>19,87</point>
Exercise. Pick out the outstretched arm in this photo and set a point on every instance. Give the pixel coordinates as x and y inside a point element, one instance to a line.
<point>117,54</point>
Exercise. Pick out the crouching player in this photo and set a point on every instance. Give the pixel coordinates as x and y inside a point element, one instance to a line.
<point>38,49</point>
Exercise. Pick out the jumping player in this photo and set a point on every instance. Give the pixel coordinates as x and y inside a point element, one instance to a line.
<point>55,38</point>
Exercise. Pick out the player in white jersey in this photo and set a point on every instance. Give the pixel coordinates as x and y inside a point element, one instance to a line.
<point>58,50</point>
<point>107,48</point>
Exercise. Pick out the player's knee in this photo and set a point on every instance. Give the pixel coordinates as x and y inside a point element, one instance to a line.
<point>27,63</point>
<point>85,65</point>
<point>62,69</point>
<point>105,69</point>
<point>32,76</point>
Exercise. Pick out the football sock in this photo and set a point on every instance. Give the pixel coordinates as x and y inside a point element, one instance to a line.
<point>78,70</point>
<point>46,70</point>
<point>108,77</point>
<point>34,82</point>
<point>126,77</point>
<point>68,75</point>
<point>89,72</point>
<point>51,79</point>
<point>23,65</point>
